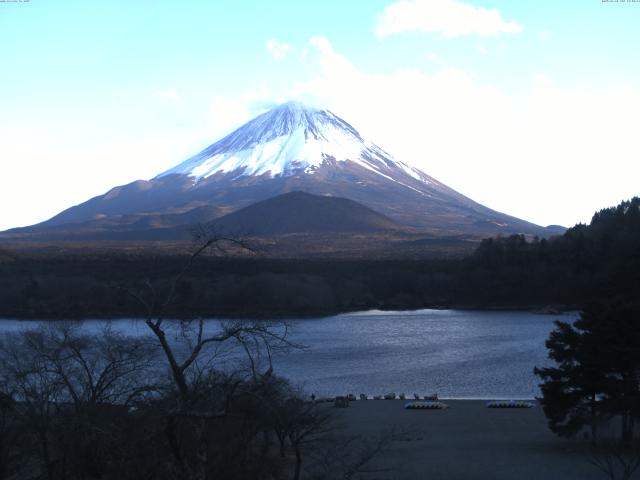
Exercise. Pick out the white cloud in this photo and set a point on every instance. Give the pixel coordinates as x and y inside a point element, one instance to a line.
<point>543,152</point>
<point>437,60</point>
<point>278,49</point>
<point>548,154</point>
<point>482,50</point>
<point>227,113</point>
<point>451,18</point>
<point>169,94</point>
<point>541,81</point>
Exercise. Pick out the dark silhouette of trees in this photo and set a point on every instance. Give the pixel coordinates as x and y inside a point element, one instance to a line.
<point>8,431</point>
<point>65,392</point>
<point>599,261</point>
<point>76,406</point>
<point>572,391</point>
<point>597,372</point>
<point>616,461</point>
<point>161,406</point>
<point>191,420</point>
<point>252,336</point>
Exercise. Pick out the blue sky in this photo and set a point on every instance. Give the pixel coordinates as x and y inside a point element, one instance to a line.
<point>528,107</point>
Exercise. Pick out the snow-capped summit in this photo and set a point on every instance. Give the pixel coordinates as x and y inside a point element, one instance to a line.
<point>289,148</point>
<point>288,139</point>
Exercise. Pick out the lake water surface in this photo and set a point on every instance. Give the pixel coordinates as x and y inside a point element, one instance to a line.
<point>458,354</point>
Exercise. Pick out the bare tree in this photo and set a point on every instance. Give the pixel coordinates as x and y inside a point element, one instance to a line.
<point>107,368</point>
<point>38,391</point>
<point>191,355</point>
<point>66,385</point>
<point>305,424</point>
<point>616,460</point>
<point>253,336</point>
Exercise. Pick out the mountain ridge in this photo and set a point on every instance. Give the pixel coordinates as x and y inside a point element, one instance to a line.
<point>291,137</point>
<point>301,212</point>
<point>290,148</point>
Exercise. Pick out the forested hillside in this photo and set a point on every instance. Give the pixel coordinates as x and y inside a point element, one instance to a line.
<point>588,262</point>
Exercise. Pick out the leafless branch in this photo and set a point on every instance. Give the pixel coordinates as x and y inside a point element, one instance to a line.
<point>616,461</point>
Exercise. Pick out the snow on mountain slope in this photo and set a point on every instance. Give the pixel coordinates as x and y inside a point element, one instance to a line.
<point>289,139</point>
<point>289,148</point>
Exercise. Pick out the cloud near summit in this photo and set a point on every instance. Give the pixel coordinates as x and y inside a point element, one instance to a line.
<point>278,49</point>
<point>450,18</point>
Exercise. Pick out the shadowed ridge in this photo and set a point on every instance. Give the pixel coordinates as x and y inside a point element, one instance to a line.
<point>300,212</point>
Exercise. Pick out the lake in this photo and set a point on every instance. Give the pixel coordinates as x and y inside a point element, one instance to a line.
<point>456,353</point>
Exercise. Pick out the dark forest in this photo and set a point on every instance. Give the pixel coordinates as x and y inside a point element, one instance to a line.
<point>591,262</point>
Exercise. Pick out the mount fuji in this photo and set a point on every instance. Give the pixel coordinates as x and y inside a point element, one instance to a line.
<point>290,148</point>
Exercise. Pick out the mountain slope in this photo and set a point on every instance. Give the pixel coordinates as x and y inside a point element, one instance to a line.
<point>291,138</point>
<point>290,148</point>
<point>299,212</point>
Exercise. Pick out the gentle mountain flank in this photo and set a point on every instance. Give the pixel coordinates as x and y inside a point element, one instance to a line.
<point>299,212</point>
<point>289,148</point>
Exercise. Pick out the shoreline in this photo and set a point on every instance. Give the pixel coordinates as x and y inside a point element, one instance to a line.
<point>515,398</point>
<point>537,310</point>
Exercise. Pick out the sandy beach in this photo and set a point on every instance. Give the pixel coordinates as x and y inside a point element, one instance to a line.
<point>467,441</point>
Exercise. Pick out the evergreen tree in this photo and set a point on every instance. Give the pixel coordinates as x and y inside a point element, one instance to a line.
<point>597,372</point>
<point>618,331</point>
<point>572,391</point>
